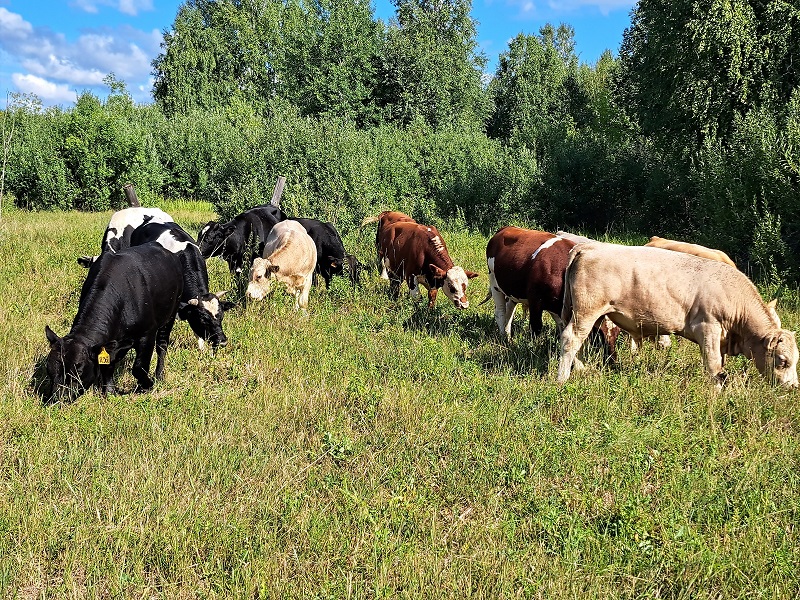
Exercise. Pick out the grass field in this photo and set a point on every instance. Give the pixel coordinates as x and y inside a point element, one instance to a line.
<point>378,449</point>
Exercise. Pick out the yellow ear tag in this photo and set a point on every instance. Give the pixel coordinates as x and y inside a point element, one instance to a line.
<point>103,358</point>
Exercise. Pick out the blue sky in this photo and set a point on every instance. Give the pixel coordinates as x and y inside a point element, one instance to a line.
<point>58,48</point>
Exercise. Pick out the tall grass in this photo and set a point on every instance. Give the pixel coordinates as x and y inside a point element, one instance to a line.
<point>374,448</point>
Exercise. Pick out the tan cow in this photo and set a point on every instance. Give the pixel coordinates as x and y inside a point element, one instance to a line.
<point>696,249</point>
<point>651,291</point>
<point>290,256</point>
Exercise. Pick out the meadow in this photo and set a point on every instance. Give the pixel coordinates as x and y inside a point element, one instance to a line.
<point>378,449</point>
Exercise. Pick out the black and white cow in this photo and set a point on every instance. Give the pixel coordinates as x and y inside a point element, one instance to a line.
<point>129,300</point>
<point>241,239</point>
<point>203,310</point>
<point>121,226</point>
<point>331,256</point>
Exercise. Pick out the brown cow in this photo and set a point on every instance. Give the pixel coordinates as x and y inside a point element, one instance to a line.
<point>417,254</point>
<point>384,219</point>
<point>527,267</point>
<point>650,291</point>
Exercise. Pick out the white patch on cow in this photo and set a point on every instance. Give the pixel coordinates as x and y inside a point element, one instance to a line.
<point>437,243</point>
<point>204,230</point>
<point>168,242</point>
<point>490,264</point>
<point>212,306</point>
<point>111,234</point>
<point>546,245</point>
<point>201,344</point>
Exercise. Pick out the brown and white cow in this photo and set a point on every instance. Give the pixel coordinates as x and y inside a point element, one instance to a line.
<point>417,254</point>
<point>290,256</point>
<point>383,219</point>
<point>650,291</point>
<point>688,248</point>
<point>527,267</point>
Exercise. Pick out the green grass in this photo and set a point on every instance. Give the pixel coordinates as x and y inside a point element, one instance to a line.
<point>374,448</point>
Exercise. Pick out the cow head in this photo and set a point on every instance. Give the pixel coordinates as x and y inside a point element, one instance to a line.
<point>204,315</point>
<point>261,278</point>
<point>454,284</point>
<point>776,358</point>
<point>211,238</point>
<point>72,365</point>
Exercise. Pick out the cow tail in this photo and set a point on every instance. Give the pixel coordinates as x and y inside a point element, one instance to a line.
<point>488,297</point>
<point>368,220</point>
<point>566,309</point>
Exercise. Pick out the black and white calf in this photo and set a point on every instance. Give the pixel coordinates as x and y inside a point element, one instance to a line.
<point>202,309</point>
<point>331,256</point>
<point>121,226</point>
<point>129,300</point>
<point>241,239</point>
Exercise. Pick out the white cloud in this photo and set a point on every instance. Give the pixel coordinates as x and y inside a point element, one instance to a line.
<point>46,90</point>
<point>48,57</point>
<point>127,7</point>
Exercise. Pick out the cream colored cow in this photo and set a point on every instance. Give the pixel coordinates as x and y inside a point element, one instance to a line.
<point>688,248</point>
<point>651,291</point>
<point>290,256</point>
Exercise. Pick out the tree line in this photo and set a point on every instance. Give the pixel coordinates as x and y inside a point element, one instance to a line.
<point>692,131</point>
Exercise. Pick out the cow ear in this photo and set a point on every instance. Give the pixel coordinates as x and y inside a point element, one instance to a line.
<point>471,274</point>
<point>437,272</point>
<point>772,342</point>
<point>51,335</point>
<point>100,351</point>
<point>333,261</point>
<point>194,302</point>
<point>221,295</point>
<point>772,304</point>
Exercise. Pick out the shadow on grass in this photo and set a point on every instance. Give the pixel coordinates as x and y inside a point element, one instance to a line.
<point>40,383</point>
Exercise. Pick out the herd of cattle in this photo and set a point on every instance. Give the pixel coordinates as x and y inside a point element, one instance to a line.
<point>151,272</point>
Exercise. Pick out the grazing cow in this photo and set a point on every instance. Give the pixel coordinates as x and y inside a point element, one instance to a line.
<point>650,291</point>
<point>129,300</point>
<point>121,226</point>
<point>696,249</point>
<point>200,308</point>
<point>331,256</point>
<point>417,254</point>
<point>384,219</point>
<point>527,267</point>
<point>242,238</point>
<point>290,256</point>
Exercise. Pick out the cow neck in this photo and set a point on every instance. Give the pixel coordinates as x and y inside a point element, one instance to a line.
<point>95,321</point>
<point>439,251</point>
<point>754,323</point>
<point>195,274</point>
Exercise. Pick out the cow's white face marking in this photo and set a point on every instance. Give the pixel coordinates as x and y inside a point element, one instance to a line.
<point>212,306</point>
<point>260,279</point>
<point>168,242</point>
<point>546,245</point>
<point>455,287</point>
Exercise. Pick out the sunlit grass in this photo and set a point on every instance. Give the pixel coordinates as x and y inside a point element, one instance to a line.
<point>374,448</point>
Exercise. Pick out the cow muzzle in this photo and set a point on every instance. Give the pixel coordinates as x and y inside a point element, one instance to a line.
<point>461,303</point>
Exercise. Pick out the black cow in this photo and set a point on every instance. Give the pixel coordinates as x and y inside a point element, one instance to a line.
<point>129,300</point>
<point>242,238</point>
<point>121,226</point>
<point>203,310</point>
<point>331,256</point>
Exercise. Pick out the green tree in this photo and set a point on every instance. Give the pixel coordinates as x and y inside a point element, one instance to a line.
<point>431,68</point>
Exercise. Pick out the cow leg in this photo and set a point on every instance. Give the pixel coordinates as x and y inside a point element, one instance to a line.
<point>535,317</point>
<point>610,332</point>
<point>710,339</point>
<point>141,365</point>
<point>301,294</point>
<point>572,338</point>
<point>503,313</point>
<point>162,340</point>
<point>432,293</point>
<point>394,285</point>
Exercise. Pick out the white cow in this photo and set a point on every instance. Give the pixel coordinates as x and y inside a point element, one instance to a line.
<point>290,256</point>
<point>651,291</point>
